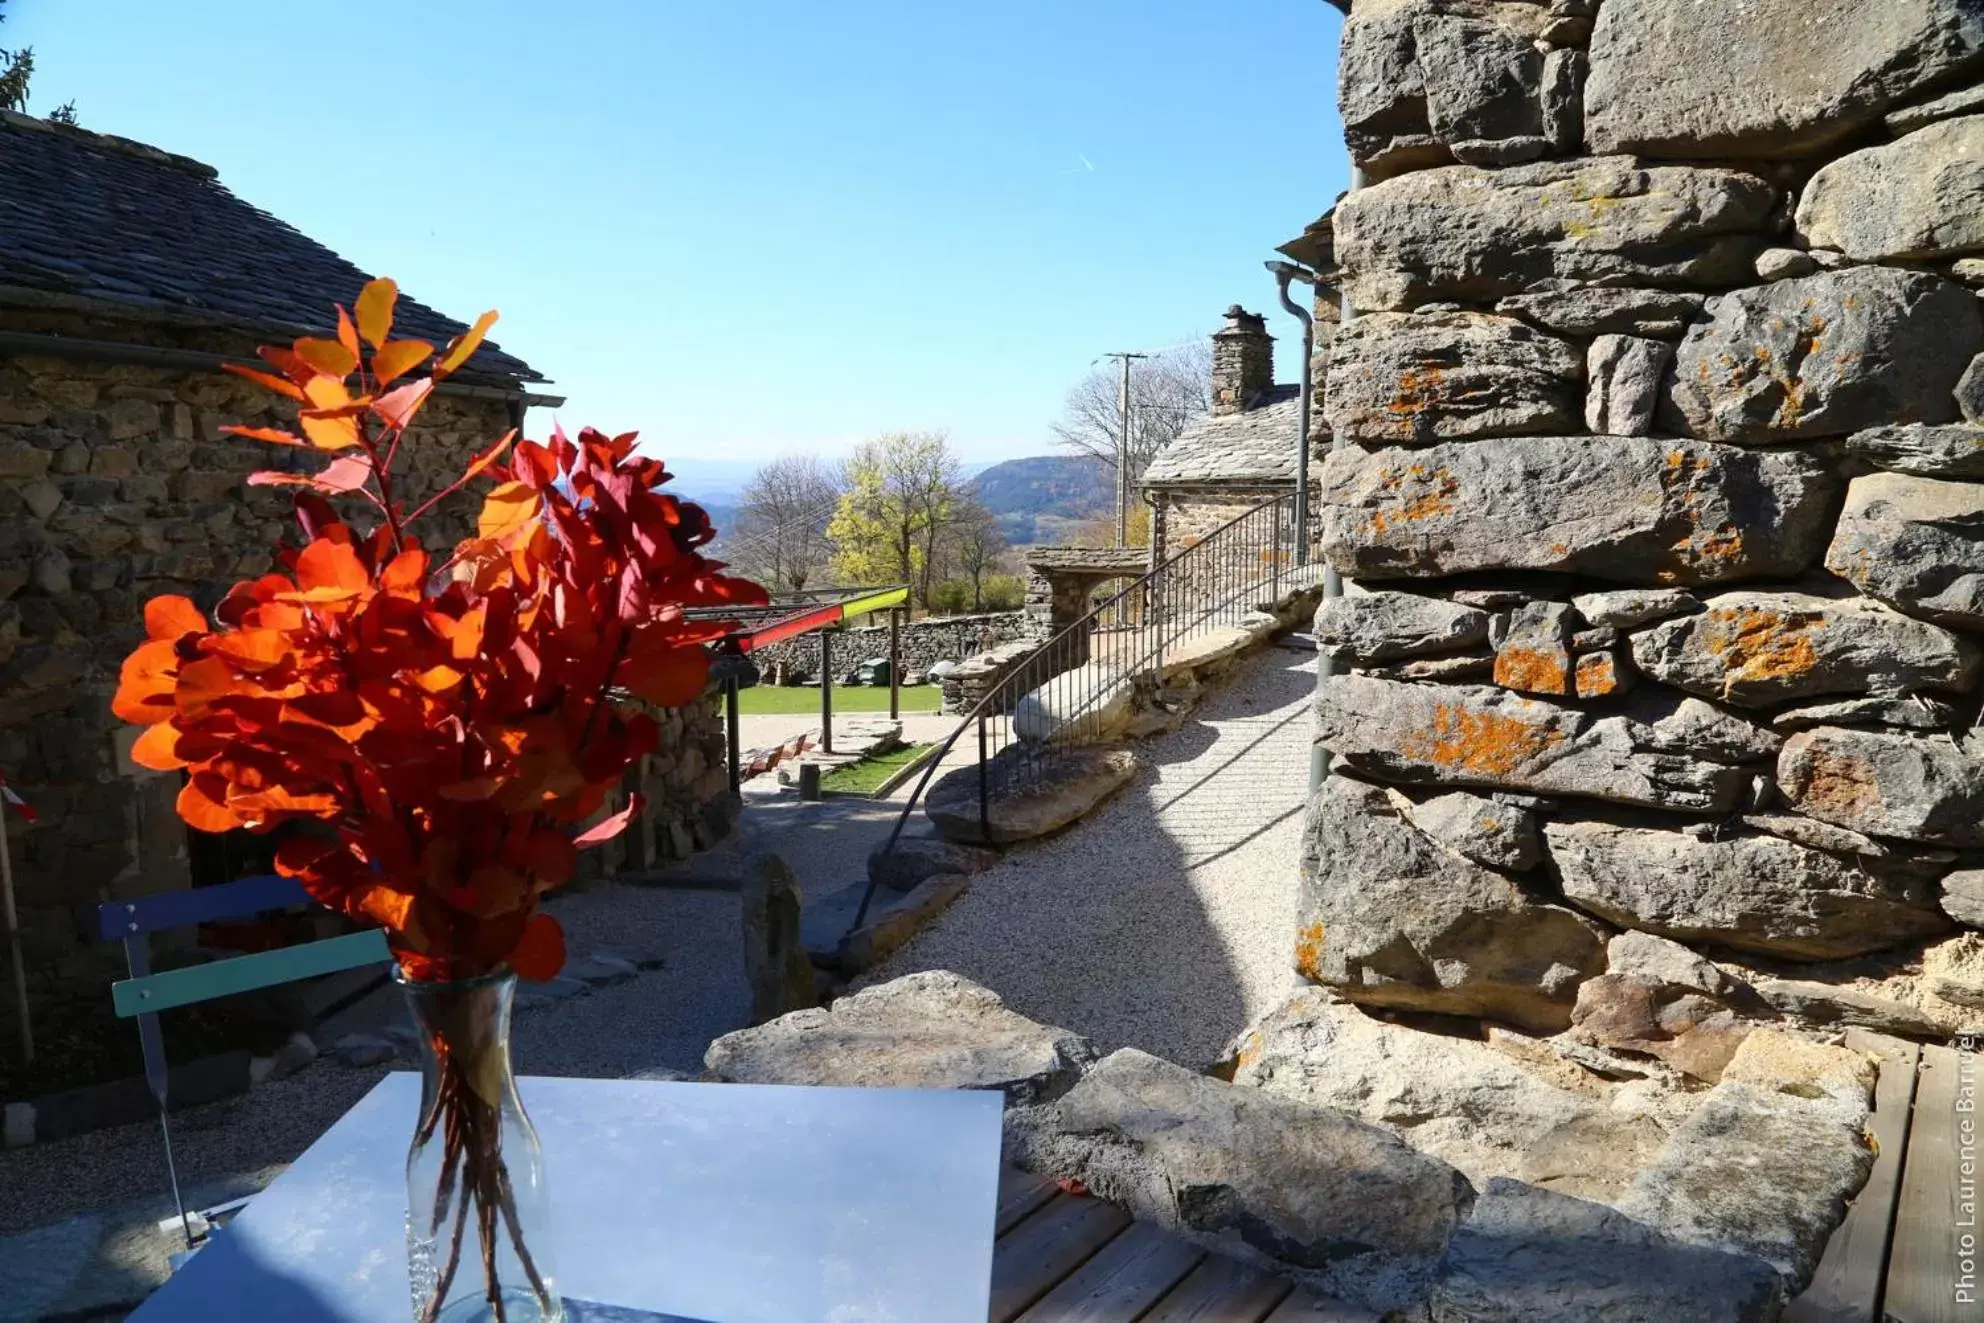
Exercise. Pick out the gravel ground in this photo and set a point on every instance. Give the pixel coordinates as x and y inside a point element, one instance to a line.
<point>1164,922</point>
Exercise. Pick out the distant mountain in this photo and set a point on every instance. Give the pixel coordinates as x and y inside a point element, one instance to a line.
<point>1042,498</point>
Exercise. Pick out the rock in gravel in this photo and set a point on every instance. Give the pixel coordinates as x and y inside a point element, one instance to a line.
<point>1460,233</point>
<point>1824,356</point>
<point>1533,653</point>
<point>1757,1171</point>
<point>1915,542</point>
<point>1530,1255</point>
<point>899,917</point>
<point>1583,310</point>
<point>1384,626</point>
<point>917,858</point>
<point>1766,78</point>
<point>1826,1003</point>
<point>1061,788</point>
<point>1963,897</point>
<point>1954,970</point>
<point>1625,509</point>
<point>1244,1171</point>
<point>1455,1098</point>
<point>932,1030</point>
<point>775,963</point>
<point>1916,199</point>
<point>362,1050</point>
<point>1745,890</point>
<point>1952,451</point>
<point>1419,80</point>
<point>1886,783</point>
<point>1485,830</point>
<point>1471,735</point>
<point>1388,917</point>
<point>1756,649</point>
<point>1629,608</point>
<point>1416,378</point>
<point>1625,374</point>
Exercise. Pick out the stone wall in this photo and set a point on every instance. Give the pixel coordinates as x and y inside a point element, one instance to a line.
<point>924,643</point>
<point>1664,488</point>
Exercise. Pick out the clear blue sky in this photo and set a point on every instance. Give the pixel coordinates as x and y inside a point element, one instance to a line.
<point>748,227</point>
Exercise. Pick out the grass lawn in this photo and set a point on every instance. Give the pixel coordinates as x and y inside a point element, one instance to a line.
<point>863,777</point>
<point>763,700</point>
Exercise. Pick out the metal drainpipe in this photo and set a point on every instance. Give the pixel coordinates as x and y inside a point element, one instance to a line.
<point>1319,756</point>
<point>1286,273</point>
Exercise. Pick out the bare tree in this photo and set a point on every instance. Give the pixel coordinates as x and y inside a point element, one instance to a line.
<point>1167,391</point>
<point>781,537</point>
<point>977,544</point>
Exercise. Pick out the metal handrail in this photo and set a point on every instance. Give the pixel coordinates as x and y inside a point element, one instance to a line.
<point>1186,593</point>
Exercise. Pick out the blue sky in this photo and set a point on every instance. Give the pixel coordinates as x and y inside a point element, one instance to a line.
<point>750,227</point>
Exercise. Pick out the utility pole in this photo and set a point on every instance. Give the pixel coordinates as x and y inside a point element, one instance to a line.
<point>1123,450</point>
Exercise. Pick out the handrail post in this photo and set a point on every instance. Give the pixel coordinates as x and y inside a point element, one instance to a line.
<point>984,788</point>
<point>826,691</point>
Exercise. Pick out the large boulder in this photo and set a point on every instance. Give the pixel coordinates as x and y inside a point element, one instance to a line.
<point>1053,789</point>
<point>1424,377</point>
<point>1963,897</point>
<point>1387,917</point>
<point>1586,310</point>
<point>1254,1175</point>
<point>1362,628</point>
<point>1952,451</point>
<point>1424,82</point>
<point>1473,735</point>
<point>1456,1098</point>
<point>932,1030</point>
<point>1920,198</point>
<point>1765,78</point>
<point>1530,1255</point>
<point>1915,542</point>
<point>1625,509</point>
<point>1742,889</point>
<point>1830,354</point>
<point>1477,235</point>
<point>1754,649</point>
<point>1886,783</point>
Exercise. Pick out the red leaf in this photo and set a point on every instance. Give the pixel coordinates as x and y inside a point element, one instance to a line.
<point>608,828</point>
<point>398,405</point>
<point>540,953</point>
<point>347,474</point>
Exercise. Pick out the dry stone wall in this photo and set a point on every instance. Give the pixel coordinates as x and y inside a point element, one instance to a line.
<point>924,643</point>
<point>1661,485</point>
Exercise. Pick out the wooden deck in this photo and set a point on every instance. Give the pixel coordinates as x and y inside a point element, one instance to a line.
<point>1062,1258</point>
<point>1897,1258</point>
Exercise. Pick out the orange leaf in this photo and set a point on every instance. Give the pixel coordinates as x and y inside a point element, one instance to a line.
<point>398,405</point>
<point>326,393</point>
<point>509,507</point>
<point>465,344</point>
<point>146,683</point>
<point>276,384</point>
<point>327,356</point>
<point>405,572</point>
<point>201,810</point>
<point>347,333</point>
<point>200,683</point>
<point>334,433</point>
<point>252,649</point>
<point>156,748</point>
<point>328,564</point>
<point>668,679</point>
<point>487,457</point>
<point>273,435</point>
<point>375,310</point>
<point>279,478</point>
<point>393,909</point>
<point>399,358</point>
<point>172,616</point>
<point>540,952</point>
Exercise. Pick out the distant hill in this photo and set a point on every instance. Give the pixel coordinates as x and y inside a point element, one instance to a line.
<point>1043,498</point>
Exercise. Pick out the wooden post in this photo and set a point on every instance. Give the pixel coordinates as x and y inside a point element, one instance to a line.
<point>895,663</point>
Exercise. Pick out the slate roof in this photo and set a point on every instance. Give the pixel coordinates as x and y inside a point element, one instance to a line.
<point>98,222</point>
<point>1257,445</point>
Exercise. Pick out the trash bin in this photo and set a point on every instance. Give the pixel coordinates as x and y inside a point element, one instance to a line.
<point>873,671</point>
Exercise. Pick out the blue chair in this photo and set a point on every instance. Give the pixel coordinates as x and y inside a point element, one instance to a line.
<point>144,994</point>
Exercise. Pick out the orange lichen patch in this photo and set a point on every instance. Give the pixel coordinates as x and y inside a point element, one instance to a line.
<point>1415,391</point>
<point>1841,788</point>
<point>1597,675</point>
<point>1478,743</point>
<point>1530,671</point>
<point>1421,493</point>
<point>1308,958</point>
<point>1756,646</point>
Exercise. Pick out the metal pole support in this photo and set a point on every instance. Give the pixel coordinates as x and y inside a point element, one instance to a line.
<point>984,788</point>
<point>895,663</point>
<point>730,723</point>
<point>826,691</point>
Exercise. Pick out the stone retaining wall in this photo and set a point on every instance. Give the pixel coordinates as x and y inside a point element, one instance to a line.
<point>1664,483</point>
<point>924,643</point>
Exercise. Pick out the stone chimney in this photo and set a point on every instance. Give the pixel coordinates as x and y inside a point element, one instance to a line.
<point>1242,361</point>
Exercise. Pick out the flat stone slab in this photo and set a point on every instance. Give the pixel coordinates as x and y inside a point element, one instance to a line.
<point>1067,786</point>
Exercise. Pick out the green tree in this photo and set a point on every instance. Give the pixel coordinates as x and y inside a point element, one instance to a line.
<point>16,72</point>
<point>898,500</point>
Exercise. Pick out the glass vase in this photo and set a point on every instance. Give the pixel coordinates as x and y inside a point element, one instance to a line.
<point>477,1239</point>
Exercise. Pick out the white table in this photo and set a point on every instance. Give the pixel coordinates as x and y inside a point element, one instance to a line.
<point>720,1203</point>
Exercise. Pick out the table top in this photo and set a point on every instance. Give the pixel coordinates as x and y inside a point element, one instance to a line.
<point>719,1203</point>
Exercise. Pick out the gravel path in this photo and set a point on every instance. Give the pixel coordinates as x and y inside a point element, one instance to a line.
<point>1164,922</point>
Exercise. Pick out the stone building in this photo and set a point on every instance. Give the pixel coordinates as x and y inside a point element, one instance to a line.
<point>127,277</point>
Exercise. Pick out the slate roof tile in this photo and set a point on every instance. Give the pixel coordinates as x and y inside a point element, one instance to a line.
<point>1257,445</point>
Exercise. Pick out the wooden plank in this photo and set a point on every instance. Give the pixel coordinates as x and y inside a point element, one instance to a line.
<point>1221,1290</point>
<point>1127,1276</point>
<point>1035,1255</point>
<point>1308,1307</point>
<point>1020,1193</point>
<point>196,983</point>
<point>1847,1286</point>
<point>1923,1269</point>
<point>239,899</point>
